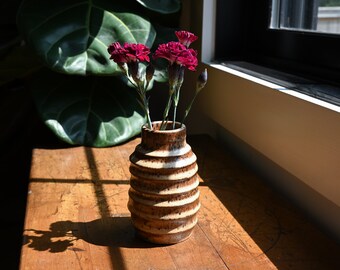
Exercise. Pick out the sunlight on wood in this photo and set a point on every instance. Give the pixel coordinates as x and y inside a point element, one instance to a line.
<point>77,218</point>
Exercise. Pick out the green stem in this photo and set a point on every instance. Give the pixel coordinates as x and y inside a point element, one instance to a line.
<point>143,101</point>
<point>147,112</point>
<point>145,106</point>
<point>166,111</point>
<point>176,100</point>
<point>189,108</point>
<point>174,120</point>
<point>132,82</point>
<point>149,119</point>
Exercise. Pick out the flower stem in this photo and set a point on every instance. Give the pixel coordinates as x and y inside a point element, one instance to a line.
<point>149,119</point>
<point>144,105</point>
<point>174,120</point>
<point>176,100</point>
<point>188,109</point>
<point>146,109</point>
<point>201,82</point>
<point>166,111</point>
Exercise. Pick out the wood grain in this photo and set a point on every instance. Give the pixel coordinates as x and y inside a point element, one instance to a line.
<point>77,218</point>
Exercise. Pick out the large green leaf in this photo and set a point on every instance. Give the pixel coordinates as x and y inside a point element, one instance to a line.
<point>93,111</point>
<point>161,6</point>
<point>72,36</point>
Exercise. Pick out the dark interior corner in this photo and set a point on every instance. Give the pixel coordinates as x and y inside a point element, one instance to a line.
<point>21,129</point>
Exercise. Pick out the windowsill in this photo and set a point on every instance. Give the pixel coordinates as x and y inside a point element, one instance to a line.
<point>318,94</point>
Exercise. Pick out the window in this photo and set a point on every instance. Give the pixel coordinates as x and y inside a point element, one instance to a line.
<point>249,32</point>
<point>306,15</point>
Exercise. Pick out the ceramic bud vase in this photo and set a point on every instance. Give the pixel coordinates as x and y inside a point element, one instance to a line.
<point>163,194</point>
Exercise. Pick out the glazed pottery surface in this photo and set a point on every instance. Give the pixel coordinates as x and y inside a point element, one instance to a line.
<point>163,194</point>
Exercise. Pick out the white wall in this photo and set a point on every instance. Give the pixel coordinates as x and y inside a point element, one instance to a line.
<point>303,138</point>
<point>298,138</point>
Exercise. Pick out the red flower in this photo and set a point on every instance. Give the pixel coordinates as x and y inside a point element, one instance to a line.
<point>117,53</point>
<point>188,58</point>
<point>175,52</point>
<point>170,51</point>
<point>179,56</point>
<point>137,52</point>
<point>129,53</point>
<point>185,38</point>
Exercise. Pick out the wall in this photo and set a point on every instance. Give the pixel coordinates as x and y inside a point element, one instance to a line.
<point>300,136</point>
<point>294,143</point>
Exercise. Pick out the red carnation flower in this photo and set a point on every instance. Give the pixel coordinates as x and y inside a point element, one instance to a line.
<point>185,37</point>
<point>188,58</point>
<point>117,53</point>
<point>129,53</point>
<point>175,52</point>
<point>137,52</point>
<point>169,51</point>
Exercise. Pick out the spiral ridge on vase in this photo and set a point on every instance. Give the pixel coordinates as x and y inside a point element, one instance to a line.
<point>163,194</point>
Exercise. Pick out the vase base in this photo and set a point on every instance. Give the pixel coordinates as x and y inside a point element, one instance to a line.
<point>164,239</point>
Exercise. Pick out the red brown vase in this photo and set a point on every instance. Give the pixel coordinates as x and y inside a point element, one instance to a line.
<point>163,194</point>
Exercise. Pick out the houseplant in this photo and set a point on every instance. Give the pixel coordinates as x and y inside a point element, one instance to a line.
<point>163,195</point>
<point>57,51</point>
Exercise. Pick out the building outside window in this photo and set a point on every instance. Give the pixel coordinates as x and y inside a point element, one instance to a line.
<point>306,15</point>
<point>300,38</point>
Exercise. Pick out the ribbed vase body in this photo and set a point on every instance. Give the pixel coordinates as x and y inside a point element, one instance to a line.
<point>163,194</point>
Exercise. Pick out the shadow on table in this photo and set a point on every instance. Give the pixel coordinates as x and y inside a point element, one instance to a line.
<point>115,232</point>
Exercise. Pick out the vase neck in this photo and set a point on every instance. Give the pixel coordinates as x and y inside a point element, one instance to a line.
<point>166,140</point>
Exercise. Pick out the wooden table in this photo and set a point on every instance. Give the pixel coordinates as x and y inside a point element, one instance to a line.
<point>77,218</point>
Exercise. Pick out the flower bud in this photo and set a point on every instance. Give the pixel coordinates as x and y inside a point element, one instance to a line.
<point>185,37</point>
<point>202,80</point>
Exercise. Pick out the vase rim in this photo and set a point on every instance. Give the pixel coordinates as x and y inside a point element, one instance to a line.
<point>180,128</point>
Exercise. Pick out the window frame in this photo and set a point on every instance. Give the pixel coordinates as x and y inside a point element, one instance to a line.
<point>248,37</point>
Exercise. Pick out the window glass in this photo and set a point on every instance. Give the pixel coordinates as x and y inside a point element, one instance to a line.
<point>248,32</point>
<point>307,15</point>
